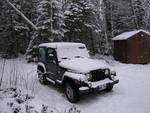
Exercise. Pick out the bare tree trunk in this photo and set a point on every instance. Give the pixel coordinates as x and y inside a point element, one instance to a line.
<point>93,43</point>
<point>105,26</point>
<point>51,17</point>
<point>146,10</point>
<point>30,45</point>
<point>3,68</point>
<point>134,13</point>
<point>112,22</point>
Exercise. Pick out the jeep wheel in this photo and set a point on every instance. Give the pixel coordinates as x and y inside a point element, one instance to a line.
<point>109,87</point>
<point>71,92</point>
<point>41,77</point>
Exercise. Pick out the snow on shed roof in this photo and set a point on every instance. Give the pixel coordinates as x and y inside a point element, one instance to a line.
<point>60,44</point>
<point>127,35</point>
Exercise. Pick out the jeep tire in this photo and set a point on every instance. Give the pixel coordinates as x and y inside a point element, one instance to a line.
<point>42,77</point>
<point>72,92</point>
<point>109,87</point>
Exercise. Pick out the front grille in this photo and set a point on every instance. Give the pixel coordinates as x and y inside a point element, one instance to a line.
<point>98,75</point>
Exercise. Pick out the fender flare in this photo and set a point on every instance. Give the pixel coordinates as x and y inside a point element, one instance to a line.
<point>42,65</point>
<point>72,76</point>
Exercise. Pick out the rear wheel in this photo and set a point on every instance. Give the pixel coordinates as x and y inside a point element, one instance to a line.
<point>42,77</point>
<point>72,92</point>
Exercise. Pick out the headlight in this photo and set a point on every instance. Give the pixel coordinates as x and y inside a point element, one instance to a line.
<point>89,76</point>
<point>90,85</point>
<point>113,73</point>
<point>107,72</point>
<point>112,77</point>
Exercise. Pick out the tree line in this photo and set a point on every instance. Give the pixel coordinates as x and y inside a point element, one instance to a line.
<point>93,22</point>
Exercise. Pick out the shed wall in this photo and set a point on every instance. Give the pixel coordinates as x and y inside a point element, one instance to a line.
<point>120,50</point>
<point>138,51</point>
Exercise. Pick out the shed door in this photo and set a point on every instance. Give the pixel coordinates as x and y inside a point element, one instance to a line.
<point>145,48</point>
<point>148,47</point>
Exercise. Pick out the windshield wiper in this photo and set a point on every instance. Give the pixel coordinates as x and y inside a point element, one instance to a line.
<point>78,57</point>
<point>65,58</point>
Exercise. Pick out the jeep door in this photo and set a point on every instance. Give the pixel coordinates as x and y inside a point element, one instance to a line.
<point>42,55</point>
<point>55,72</point>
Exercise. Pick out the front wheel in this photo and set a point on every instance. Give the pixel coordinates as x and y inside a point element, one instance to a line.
<point>72,92</point>
<point>109,87</point>
<point>41,77</point>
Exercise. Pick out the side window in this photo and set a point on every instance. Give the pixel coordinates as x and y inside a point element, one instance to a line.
<point>42,54</point>
<point>52,57</point>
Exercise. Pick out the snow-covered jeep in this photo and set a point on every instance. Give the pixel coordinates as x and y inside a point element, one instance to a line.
<point>69,65</point>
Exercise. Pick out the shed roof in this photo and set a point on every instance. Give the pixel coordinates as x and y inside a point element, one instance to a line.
<point>60,44</point>
<point>126,35</point>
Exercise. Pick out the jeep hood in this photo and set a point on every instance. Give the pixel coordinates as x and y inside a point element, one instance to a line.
<point>83,65</point>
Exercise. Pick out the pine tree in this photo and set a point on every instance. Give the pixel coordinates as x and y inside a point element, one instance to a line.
<point>79,22</point>
<point>50,21</point>
<point>13,29</point>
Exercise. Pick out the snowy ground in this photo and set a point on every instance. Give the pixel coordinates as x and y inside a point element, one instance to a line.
<point>131,95</point>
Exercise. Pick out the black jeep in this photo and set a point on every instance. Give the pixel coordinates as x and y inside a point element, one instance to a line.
<point>69,65</point>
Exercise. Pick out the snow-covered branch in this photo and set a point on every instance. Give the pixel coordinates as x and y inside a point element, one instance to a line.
<point>22,15</point>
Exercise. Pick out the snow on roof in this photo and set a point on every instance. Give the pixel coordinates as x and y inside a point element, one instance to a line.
<point>60,44</point>
<point>127,35</point>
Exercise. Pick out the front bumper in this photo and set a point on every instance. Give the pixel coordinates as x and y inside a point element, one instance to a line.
<point>97,86</point>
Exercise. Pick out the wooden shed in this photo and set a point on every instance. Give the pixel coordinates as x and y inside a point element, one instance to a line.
<point>132,47</point>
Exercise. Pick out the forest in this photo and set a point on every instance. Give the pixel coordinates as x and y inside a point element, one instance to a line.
<point>92,22</point>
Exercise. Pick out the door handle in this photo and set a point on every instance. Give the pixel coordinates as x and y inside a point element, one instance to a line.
<point>58,72</point>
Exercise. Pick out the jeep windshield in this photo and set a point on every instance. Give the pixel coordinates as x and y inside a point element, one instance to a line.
<point>70,52</point>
